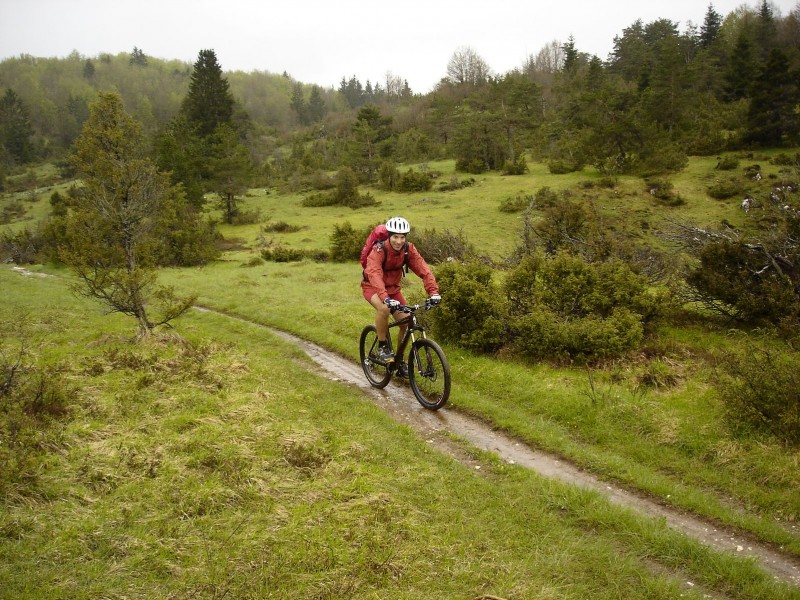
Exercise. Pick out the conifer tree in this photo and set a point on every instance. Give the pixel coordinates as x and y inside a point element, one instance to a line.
<point>209,102</point>
<point>710,29</point>
<point>16,131</point>
<point>109,240</point>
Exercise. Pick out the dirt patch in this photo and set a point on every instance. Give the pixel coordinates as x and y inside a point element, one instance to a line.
<point>399,402</point>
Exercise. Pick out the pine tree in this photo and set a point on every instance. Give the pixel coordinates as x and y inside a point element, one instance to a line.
<point>209,102</point>
<point>741,71</point>
<point>772,118</point>
<point>710,29</point>
<point>16,131</point>
<point>316,105</point>
<point>298,103</point>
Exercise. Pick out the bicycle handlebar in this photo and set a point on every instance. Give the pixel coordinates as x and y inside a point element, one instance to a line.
<point>412,308</point>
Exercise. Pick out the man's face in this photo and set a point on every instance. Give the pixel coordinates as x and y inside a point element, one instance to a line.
<point>397,240</point>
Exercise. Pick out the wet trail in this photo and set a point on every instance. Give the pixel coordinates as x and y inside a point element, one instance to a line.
<point>399,402</point>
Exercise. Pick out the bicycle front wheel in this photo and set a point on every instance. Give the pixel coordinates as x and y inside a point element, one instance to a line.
<point>429,374</point>
<point>378,374</point>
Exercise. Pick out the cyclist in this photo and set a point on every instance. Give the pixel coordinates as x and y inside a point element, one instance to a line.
<point>382,278</point>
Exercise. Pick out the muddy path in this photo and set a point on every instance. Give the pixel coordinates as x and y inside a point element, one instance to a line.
<point>434,427</point>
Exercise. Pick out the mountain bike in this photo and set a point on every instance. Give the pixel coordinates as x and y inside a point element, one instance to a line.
<point>428,370</point>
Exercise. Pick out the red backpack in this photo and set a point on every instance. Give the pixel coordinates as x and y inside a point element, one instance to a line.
<point>378,236</point>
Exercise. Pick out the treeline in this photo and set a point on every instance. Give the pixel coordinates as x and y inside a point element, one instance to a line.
<point>730,83</point>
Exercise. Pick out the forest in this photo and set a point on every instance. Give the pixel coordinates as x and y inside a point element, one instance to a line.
<point>728,84</point>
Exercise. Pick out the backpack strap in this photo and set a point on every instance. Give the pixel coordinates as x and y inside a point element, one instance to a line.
<point>404,266</point>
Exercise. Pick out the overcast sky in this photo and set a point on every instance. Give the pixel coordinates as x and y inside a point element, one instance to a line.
<point>321,41</point>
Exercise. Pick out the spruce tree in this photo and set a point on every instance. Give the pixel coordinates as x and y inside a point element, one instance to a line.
<point>711,27</point>
<point>16,132</point>
<point>772,119</point>
<point>209,102</point>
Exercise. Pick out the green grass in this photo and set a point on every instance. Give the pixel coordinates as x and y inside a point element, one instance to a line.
<point>669,443</point>
<point>212,462</point>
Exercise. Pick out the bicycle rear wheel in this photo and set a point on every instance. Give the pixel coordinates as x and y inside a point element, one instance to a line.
<point>429,374</point>
<point>378,374</point>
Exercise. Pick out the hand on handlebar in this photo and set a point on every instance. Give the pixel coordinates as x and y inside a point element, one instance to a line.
<point>392,303</point>
<point>434,300</point>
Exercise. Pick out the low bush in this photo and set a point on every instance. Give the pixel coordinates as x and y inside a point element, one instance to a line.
<point>761,390</point>
<point>414,181</point>
<point>280,253</point>
<point>569,309</point>
<point>34,400</point>
<point>437,247</point>
<point>516,204</point>
<point>347,242</point>
<point>22,247</point>
<point>519,166</point>
<point>727,163</point>
<point>784,160</point>
<point>456,184</point>
<point>738,280</point>
<point>474,166</point>
<point>562,167</point>
<point>474,315</point>
<point>280,227</point>
<point>726,188</point>
<point>562,308</point>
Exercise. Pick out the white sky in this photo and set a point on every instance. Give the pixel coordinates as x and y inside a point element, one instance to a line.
<point>321,41</point>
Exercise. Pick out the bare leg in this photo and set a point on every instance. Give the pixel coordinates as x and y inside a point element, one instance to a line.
<point>381,317</point>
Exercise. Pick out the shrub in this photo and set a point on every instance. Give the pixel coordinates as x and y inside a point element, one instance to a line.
<point>473,315</point>
<point>753,172</point>
<point>726,188</point>
<point>345,194</point>
<point>566,308</point>
<point>12,211</point>
<point>784,160</point>
<point>731,279</point>
<point>761,389</point>
<point>438,247</point>
<point>474,166</point>
<point>542,334</point>
<point>414,181</point>
<point>562,167</point>
<point>33,402</point>
<point>22,247</point>
<point>519,166</point>
<point>280,227</point>
<point>516,204</point>
<point>280,253</point>
<point>545,198</point>
<point>662,191</point>
<point>727,163</point>
<point>456,184</point>
<point>347,242</point>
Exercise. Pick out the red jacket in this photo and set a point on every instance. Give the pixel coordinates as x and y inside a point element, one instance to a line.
<point>385,279</point>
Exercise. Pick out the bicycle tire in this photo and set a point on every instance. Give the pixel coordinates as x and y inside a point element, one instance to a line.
<point>377,374</point>
<point>429,374</point>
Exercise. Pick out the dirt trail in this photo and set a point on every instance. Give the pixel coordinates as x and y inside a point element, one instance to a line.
<point>399,402</point>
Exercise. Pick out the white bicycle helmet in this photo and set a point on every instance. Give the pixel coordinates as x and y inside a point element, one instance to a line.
<point>398,225</point>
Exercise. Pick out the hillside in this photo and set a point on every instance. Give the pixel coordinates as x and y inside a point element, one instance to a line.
<point>211,461</point>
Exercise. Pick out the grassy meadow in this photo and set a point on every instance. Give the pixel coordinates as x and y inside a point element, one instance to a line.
<point>213,462</point>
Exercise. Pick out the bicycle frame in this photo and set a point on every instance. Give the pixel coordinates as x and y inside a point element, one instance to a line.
<point>412,326</point>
